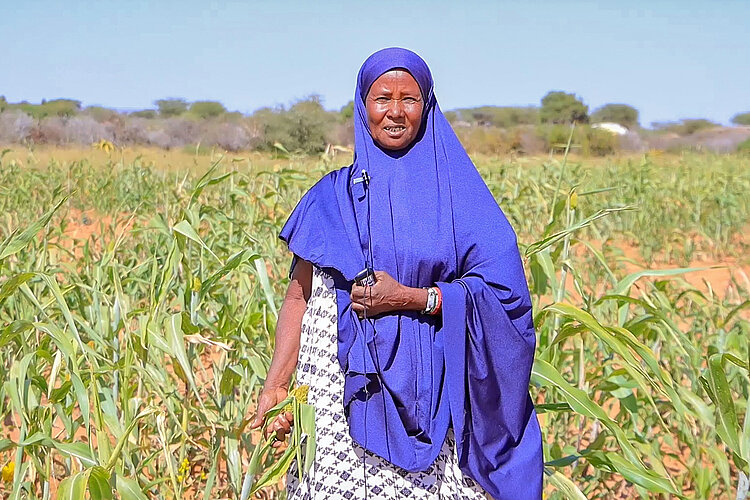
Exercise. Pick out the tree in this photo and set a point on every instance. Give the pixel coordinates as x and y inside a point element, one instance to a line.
<point>347,111</point>
<point>207,109</point>
<point>625,115</point>
<point>561,107</point>
<point>3,103</point>
<point>741,118</point>
<point>145,113</point>
<point>171,106</point>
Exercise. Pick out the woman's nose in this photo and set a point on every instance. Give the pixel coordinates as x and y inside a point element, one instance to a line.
<point>396,108</point>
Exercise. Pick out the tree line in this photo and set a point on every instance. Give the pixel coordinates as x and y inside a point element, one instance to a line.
<point>306,125</point>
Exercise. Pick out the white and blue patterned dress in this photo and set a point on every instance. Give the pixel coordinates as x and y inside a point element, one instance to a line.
<point>342,469</point>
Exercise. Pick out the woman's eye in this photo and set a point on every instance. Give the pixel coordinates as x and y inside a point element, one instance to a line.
<point>382,100</point>
<point>409,100</point>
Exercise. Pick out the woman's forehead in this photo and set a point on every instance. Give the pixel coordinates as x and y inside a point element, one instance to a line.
<point>395,77</point>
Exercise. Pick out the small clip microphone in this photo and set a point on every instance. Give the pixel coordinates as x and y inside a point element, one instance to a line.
<point>364,178</point>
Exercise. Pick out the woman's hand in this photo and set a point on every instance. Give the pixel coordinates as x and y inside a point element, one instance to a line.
<point>285,352</point>
<point>386,295</point>
<point>282,424</point>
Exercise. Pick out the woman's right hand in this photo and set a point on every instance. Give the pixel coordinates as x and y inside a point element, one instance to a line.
<point>282,424</point>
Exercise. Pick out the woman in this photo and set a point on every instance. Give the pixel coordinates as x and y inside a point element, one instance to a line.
<point>420,380</point>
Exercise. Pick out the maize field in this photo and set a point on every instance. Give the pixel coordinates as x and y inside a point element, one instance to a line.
<point>139,294</point>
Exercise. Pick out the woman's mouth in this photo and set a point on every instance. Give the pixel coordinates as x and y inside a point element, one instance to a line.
<point>395,130</point>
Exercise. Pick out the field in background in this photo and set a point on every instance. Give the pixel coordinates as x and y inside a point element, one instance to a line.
<point>137,317</point>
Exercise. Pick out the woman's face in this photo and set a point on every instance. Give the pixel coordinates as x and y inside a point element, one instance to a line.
<point>394,109</point>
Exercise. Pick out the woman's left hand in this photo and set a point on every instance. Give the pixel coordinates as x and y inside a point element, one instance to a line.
<point>384,296</point>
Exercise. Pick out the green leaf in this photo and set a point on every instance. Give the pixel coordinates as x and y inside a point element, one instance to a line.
<point>99,488</point>
<point>176,340</point>
<point>727,424</point>
<point>234,261</point>
<point>12,284</point>
<point>545,374</point>
<point>184,228</point>
<point>550,240</point>
<point>16,242</point>
<point>128,489</point>
<point>80,451</point>
<point>307,423</point>
<point>74,487</point>
<point>637,475</point>
<point>564,485</point>
<point>260,268</point>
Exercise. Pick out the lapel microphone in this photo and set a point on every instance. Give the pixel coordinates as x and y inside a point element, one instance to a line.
<point>364,178</point>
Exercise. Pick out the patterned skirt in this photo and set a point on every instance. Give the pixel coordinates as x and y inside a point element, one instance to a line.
<point>342,468</point>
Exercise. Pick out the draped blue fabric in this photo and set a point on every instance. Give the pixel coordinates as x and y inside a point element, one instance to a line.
<point>430,219</point>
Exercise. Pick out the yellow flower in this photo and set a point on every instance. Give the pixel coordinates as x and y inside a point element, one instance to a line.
<point>300,394</point>
<point>8,471</point>
<point>184,466</point>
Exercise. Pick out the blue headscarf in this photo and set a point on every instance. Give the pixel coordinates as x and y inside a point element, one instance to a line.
<point>430,220</point>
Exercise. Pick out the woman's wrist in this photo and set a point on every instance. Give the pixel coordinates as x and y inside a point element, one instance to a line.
<point>414,299</point>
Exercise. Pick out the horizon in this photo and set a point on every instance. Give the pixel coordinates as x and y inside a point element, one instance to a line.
<point>671,61</point>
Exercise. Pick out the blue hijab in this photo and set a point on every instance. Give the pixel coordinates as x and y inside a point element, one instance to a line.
<point>429,219</point>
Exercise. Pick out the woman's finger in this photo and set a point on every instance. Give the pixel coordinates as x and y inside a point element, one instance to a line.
<point>284,424</point>
<point>263,407</point>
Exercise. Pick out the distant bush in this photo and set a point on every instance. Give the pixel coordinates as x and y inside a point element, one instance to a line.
<point>347,111</point>
<point>228,136</point>
<point>55,107</point>
<point>15,126</point>
<point>498,116</point>
<point>625,115</point>
<point>302,127</point>
<point>741,119</point>
<point>597,142</point>
<point>144,113</point>
<point>485,140</point>
<point>560,107</point>
<point>684,127</point>
<point>744,147</point>
<point>85,130</point>
<point>101,114</point>
<point>207,109</point>
<point>586,140</point>
<point>171,107</point>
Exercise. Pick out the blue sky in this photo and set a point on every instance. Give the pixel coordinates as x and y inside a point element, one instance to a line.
<point>670,59</point>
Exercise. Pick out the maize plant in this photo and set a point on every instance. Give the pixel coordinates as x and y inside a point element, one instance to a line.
<point>138,304</point>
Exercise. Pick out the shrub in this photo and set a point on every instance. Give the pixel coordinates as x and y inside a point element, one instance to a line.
<point>485,140</point>
<point>497,116</point>
<point>171,107</point>
<point>228,136</point>
<point>303,127</point>
<point>144,113</point>
<point>596,142</point>
<point>85,130</point>
<point>744,147</point>
<point>15,126</point>
<point>625,115</point>
<point>741,119</point>
<point>684,127</point>
<point>207,109</point>
<point>561,107</point>
<point>347,111</point>
<point>101,114</point>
